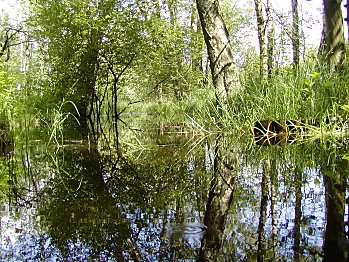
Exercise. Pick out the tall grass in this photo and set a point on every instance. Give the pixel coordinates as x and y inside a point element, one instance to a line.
<point>309,93</point>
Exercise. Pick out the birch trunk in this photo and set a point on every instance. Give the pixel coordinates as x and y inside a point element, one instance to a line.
<point>218,47</point>
<point>295,33</point>
<point>334,49</point>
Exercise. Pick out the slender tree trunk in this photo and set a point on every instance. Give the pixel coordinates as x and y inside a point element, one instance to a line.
<point>89,65</point>
<point>273,208</point>
<point>261,251</point>
<point>196,42</point>
<point>262,32</point>
<point>219,200</point>
<point>218,47</point>
<point>297,251</point>
<point>334,49</point>
<point>171,5</point>
<point>335,246</point>
<point>295,33</point>
<point>270,51</point>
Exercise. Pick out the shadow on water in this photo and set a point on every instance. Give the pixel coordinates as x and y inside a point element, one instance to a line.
<point>222,200</point>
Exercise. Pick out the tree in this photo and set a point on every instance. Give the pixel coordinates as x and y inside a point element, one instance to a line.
<point>82,41</point>
<point>295,33</point>
<point>333,48</point>
<point>265,38</point>
<point>72,42</point>
<point>270,50</point>
<point>218,47</point>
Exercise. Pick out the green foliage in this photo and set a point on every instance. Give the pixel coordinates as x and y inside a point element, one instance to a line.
<point>8,94</point>
<point>56,123</point>
<point>139,56</point>
<point>310,93</point>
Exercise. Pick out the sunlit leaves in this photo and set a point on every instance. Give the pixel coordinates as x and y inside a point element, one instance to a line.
<point>5,80</point>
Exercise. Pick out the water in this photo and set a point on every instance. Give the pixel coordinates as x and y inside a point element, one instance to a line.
<point>222,199</point>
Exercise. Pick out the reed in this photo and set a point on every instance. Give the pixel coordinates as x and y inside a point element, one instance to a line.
<point>311,92</point>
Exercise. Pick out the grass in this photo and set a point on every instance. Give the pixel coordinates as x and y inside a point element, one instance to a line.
<point>310,93</point>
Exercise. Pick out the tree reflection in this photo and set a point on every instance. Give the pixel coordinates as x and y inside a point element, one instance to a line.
<point>79,213</point>
<point>263,213</point>
<point>269,174</point>
<point>297,250</point>
<point>263,203</point>
<point>336,246</point>
<point>219,199</point>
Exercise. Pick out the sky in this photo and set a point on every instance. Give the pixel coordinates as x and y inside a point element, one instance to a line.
<point>310,15</point>
<point>11,7</point>
<point>310,11</point>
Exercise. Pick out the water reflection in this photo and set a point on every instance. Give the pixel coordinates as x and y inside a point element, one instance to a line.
<point>219,199</point>
<point>224,200</point>
<point>336,247</point>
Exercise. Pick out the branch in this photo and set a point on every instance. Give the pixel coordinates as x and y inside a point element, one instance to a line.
<point>147,96</point>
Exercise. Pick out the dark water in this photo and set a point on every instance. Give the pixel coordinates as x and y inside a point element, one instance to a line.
<point>175,199</point>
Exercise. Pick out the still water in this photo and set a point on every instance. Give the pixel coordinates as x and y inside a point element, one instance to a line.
<point>177,198</point>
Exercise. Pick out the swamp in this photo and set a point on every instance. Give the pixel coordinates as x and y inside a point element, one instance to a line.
<point>180,198</point>
<point>174,130</point>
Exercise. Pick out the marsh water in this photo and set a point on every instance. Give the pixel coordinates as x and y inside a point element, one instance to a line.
<point>175,197</point>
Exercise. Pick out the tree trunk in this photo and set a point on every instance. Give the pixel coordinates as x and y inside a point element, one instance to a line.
<point>220,197</point>
<point>334,49</point>
<point>196,42</point>
<point>87,79</point>
<point>273,209</point>
<point>270,51</point>
<point>218,47</point>
<point>297,236</point>
<point>335,246</point>
<point>295,33</point>
<point>262,32</point>
<point>261,249</point>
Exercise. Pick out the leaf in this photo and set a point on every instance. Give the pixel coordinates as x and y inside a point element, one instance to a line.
<point>346,156</point>
<point>328,84</point>
<point>317,181</point>
<point>315,75</point>
<point>307,82</point>
<point>345,107</point>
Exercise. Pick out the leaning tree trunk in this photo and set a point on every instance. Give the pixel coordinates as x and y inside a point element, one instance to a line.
<point>218,47</point>
<point>85,86</point>
<point>220,197</point>
<point>334,49</point>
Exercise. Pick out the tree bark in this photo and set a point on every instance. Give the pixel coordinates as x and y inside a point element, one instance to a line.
<point>261,251</point>
<point>297,236</point>
<point>295,33</point>
<point>334,49</point>
<point>270,51</point>
<point>220,197</point>
<point>218,47</point>
<point>262,32</point>
<point>196,42</point>
<point>335,246</point>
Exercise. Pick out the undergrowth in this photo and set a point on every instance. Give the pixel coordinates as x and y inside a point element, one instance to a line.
<point>310,93</point>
